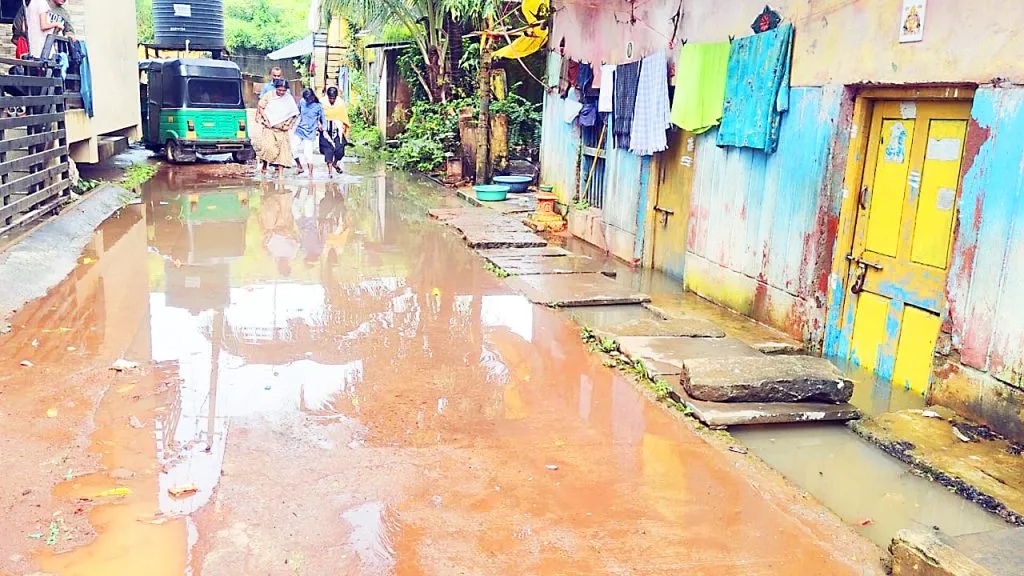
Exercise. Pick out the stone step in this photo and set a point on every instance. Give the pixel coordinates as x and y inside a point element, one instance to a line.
<point>674,327</point>
<point>765,379</point>
<point>931,553</point>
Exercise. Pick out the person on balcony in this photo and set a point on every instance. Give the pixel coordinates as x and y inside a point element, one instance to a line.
<point>42,19</point>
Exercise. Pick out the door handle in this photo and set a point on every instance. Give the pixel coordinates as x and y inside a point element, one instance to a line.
<point>864,197</point>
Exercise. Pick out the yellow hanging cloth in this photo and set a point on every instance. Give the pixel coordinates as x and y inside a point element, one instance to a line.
<point>533,38</point>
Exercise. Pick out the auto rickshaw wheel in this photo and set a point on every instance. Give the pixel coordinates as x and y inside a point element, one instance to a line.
<point>175,155</point>
<point>243,156</point>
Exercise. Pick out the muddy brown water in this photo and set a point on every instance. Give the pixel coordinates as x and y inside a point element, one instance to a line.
<point>346,390</point>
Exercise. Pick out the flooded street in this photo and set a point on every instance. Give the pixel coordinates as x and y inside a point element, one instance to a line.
<point>338,386</point>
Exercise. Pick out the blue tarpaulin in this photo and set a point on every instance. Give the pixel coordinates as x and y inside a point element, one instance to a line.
<point>757,90</point>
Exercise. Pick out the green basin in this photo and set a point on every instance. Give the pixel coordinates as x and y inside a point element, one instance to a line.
<point>491,192</point>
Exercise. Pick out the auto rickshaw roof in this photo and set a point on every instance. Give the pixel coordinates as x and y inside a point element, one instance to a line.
<point>195,67</point>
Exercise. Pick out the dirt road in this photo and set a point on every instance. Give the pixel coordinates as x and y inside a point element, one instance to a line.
<point>348,391</point>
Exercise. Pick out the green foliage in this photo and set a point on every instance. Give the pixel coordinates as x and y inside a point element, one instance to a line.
<point>264,24</point>
<point>84,185</point>
<point>496,270</point>
<point>524,118</point>
<point>144,20</point>
<point>430,135</point>
<point>137,174</point>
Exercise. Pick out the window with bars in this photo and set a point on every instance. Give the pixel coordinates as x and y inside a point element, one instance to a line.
<point>592,168</point>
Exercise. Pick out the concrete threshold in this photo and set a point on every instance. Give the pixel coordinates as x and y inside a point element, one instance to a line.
<point>966,458</point>
<point>931,553</point>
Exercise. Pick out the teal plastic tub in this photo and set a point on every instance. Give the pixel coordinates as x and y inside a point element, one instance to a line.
<point>491,192</point>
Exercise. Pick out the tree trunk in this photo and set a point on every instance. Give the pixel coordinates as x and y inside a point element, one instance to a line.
<point>483,145</point>
<point>453,30</point>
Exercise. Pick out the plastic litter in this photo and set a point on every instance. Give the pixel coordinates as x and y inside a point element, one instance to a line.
<point>182,491</point>
<point>552,467</point>
<point>122,365</point>
<point>51,413</point>
<point>119,491</point>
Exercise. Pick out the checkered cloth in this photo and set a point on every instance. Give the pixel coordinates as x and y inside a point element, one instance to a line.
<point>624,102</point>
<point>653,108</point>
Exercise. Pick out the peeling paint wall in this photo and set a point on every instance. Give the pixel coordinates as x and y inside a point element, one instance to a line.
<point>762,227</point>
<point>559,142</point>
<point>985,287</point>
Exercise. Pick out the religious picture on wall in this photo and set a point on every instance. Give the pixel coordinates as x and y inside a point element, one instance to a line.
<point>912,21</point>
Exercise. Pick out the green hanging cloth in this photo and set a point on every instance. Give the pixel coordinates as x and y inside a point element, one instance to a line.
<point>700,86</point>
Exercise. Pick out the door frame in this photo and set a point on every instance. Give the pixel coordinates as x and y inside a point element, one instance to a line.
<point>839,316</point>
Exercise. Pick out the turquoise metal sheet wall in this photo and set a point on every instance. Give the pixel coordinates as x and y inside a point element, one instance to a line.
<point>758,217</point>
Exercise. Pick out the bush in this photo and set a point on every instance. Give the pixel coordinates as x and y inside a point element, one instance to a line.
<point>420,154</point>
<point>430,135</point>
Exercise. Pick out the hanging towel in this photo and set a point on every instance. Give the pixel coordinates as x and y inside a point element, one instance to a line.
<point>85,71</point>
<point>604,101</point>
<point>571,106</point>
<point>653,113</point>
<point>757,90</point>
<point>585,78</point>
<point>624,101</point>
<point>700,86</point>
<point>573,72</point>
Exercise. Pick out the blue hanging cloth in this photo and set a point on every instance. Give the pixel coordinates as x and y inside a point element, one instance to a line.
<point>86,78</point>
<point>757,90</point>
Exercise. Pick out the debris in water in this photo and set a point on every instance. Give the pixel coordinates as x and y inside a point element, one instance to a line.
<point>51,413</point>
<point>119,491</point>
<point>36,536</point>
<point>267,387</point>
<point>931,414</point>
<point>157,520</point>
<point>552,467</point>
<point>122,365</point>
<point>54,534</point>
<point>126,389</point>
<point>866,522</point>
<point>959,434</point>
<point>35,343</point>
<point>182,491</point>
<point>26,492</point>
<point>134,422</point>
<point>87,260</point>
<point>70,474</point>
<point>72,348</point>
<point>738,449</point>
<point>437,501</point>
<point>122,474</point>
<point>27,364</point>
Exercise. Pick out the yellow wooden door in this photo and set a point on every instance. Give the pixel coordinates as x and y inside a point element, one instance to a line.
<point>672,209</point>
<point>904,233</point>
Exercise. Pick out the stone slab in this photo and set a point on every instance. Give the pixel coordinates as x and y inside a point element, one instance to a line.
<point>675,327</point>
<point>765,379</point>
<point>498,239</point>
<point>723,415</point>
<point>665,355</point>
<point>530,265</point>
<point>569,290</point>
<point>986,469</point>
<point>524,252</point>
<point>1001,552</point>
<point>929,553</point>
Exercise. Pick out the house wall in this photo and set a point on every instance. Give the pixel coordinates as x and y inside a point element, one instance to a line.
<point>762,227</point>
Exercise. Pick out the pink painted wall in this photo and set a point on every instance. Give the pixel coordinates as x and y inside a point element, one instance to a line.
<point>837,41</point>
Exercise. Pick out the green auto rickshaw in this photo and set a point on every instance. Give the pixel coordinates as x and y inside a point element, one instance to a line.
<point>194,106</point>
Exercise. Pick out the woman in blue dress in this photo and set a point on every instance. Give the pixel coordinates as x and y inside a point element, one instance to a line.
<point>306,136</point>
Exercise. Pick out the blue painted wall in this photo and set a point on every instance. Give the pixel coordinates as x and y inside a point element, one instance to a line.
<point>759,232</point>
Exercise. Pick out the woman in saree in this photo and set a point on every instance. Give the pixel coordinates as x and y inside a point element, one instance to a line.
<point>278,114</point>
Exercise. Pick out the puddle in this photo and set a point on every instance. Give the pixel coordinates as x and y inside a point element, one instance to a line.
<point>343,386</point>
<point>862,484</point>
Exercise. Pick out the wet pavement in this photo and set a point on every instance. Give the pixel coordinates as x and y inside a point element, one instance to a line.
<point>349,391</point>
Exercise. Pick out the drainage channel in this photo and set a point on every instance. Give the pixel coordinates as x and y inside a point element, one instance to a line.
<point>865,487</point>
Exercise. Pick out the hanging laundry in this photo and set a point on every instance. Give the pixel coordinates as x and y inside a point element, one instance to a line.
<point>624,101</point>
<point>588,114</point>
<point>584,78</point>
<point>700,86</point>
<point>653,114</point>
<point>604,101</point>
<point>757,90</point>
<point>571,106</point>
<point>563,77</point>
<point>574,71</point>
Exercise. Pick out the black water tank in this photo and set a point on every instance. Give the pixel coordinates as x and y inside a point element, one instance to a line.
<point>193,24</point>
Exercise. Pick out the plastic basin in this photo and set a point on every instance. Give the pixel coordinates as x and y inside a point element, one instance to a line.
<point>515,183</point>
<point>491,192</point>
